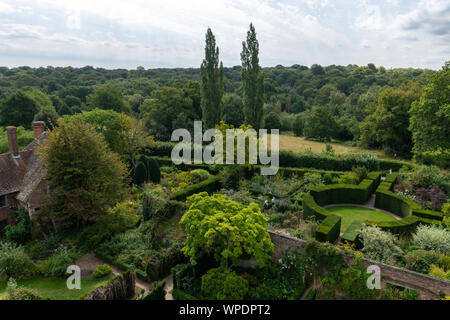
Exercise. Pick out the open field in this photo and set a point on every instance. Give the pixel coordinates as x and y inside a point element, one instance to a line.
<point>299,144</point>
<point>349,214</point>
<point>56,288</point>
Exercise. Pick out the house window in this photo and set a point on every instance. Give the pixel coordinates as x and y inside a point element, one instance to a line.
<point>3,201</point>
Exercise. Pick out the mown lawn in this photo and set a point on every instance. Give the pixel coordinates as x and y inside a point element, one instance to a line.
<point>352,213</point>
<point>299,144</point>
<point>55,288</point>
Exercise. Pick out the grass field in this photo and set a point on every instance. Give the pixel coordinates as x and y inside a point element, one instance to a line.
<point>55,288</point>
<point>352,213</point>
<point>298,144</point>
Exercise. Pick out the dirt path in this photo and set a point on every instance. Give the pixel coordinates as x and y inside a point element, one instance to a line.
<point>169,287</point>
<point>90,262</point>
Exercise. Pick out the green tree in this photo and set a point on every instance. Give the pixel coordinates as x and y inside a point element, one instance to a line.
<point>211,87</point>
<point>430,120</point>
<point>320,124</point>
<point>272,121</point>
<point>159,112</point>
<point>217,225</point>
<point>252,80</point>
<point>223,284</point>
<point>19,109</point>
<point>233,109</point>
<point>109,98</point>
<point>299,124</point>
<point>47,114</point>
<point>85,178</point>
<point>388,125</point>
<point>123,134</point>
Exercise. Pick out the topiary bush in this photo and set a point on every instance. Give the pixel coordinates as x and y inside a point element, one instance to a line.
<point>154,172</point>
<point>223,284</point>
<point>101,271</point>
<point>140,173</point>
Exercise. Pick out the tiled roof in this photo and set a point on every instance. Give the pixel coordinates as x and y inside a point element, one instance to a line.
<point>21,174</point>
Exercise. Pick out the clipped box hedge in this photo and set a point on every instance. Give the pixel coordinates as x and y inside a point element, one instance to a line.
<point>428,214</point>
<point>210,185</point>
<point>312,209</point>
<point>394,203</point>
<point>405,225</point>
<point>299,172</point>
<point>329,229</point>
<point>384,186</point>
<point>392,178</point>
<point>340,193</point>
<point>351,235</point>
<point>343,162</point>
<point>395,165</point>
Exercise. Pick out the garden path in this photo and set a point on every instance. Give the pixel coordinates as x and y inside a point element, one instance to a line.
<point>169,287</point>
<point>90,262</point>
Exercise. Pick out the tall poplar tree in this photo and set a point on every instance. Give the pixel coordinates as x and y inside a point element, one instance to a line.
<point>252,80</point>
<point>212,83</point>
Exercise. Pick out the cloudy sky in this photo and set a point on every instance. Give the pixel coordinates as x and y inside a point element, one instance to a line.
<point>170,33</point>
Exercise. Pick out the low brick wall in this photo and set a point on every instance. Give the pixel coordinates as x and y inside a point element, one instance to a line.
<point>427,286</point>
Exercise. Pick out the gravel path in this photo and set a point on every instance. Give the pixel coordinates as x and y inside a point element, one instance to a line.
<point>169,287</point>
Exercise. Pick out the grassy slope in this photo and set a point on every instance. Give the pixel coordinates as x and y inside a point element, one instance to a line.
<point>56,288</point>
<point>298,144</point>
<point>351,213</point>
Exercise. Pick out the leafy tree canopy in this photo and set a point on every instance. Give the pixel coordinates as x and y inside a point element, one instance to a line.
<point>217,225</point>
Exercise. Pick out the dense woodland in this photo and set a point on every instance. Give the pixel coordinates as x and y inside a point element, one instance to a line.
<point>114,190</point>
<point>367,105</point>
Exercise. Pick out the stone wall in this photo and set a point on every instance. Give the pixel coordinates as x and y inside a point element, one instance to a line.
<point>120,288</point>
<point>427,286</point>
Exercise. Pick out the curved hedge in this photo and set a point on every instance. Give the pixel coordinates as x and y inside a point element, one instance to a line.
<point>329,229</point>
<point>399,226</point>
<point>342,162</point>
<point>312,209</point>
<point>394,203</point>
<point>411,211</point>
<point>338,194</point>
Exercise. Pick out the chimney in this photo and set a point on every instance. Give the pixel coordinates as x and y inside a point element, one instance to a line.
<point>38,128</point>
<point>12,141</point>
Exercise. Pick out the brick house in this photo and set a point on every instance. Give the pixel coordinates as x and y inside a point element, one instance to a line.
<point>22,178</point>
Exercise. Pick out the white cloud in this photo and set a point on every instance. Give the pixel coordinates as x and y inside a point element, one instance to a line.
<point>171,32</point>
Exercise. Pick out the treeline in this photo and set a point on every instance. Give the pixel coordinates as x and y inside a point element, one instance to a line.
<point>367,105</point>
